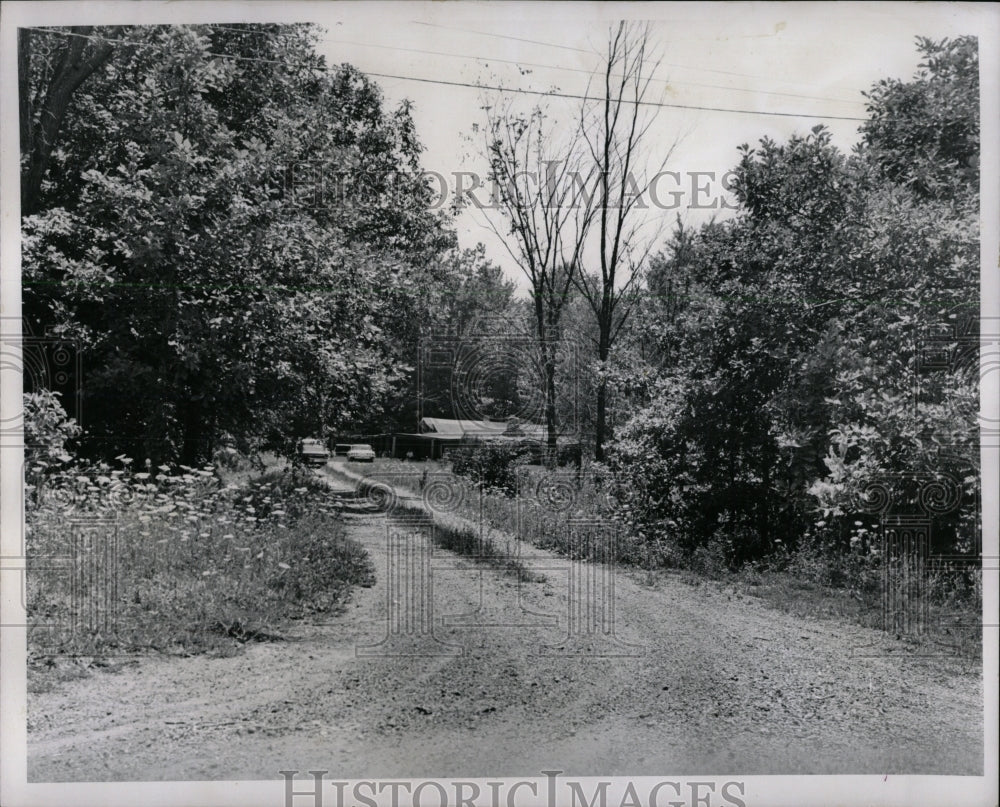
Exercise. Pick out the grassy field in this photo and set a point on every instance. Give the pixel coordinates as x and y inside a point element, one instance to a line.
<point>181,560</point>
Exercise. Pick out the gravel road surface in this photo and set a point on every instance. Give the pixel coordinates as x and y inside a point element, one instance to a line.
<point>695,680</point>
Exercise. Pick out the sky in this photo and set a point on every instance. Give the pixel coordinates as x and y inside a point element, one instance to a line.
<point>812,61</point>
<point>732,72</point>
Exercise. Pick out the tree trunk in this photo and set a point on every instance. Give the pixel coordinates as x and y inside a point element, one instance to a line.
<point>546,346</point>
<point>603,351</point>
<point>194,422</point>
<point>550,410</point>
<point>70,72</point>
<point>601,426</point>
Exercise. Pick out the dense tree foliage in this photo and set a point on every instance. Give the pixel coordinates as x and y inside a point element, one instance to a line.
<point>924,133</point>
<point>789,345</point>
<point>474,306</point>
<point>237,235</point>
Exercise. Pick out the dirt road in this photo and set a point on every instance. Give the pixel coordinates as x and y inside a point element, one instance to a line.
<point>717,683</point>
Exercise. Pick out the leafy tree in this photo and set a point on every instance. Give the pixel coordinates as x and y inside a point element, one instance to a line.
<point>237,236</point>
<point>50,71</point>
<point>924,133</point>
<point>795,376</point>
<point>47,432</point>
<point>472,300</point>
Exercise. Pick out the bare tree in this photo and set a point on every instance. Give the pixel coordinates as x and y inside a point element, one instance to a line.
<point>532,171</point>
<point>615,128</point>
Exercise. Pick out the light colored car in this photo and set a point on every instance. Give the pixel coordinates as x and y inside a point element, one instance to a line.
<point>361,453</point>
<point>313,452</point>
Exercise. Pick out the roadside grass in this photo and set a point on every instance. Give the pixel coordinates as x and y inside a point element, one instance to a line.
<point>950,628</point>
<point>850,590</point>
<point>483,546</point>
<point>550,503</point>
<point>234,468</point>
<point>437,509</point>
<point>179,562</point>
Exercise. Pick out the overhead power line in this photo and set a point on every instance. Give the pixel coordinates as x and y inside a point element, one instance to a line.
<point>518,63</point>
<point>697,68</point>
<point>659,104</point>
<point>476,86</point>
<point>540,65</point>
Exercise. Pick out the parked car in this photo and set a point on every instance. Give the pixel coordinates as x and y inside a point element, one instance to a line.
<point>361,453</point>
<point>313,452</point>
<point>341,449</point>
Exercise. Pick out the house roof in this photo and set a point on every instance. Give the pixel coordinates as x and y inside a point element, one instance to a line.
<point>445,427</point>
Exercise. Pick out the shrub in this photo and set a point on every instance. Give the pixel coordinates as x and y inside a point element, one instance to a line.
<point>197,563</point>
<point>493,466</point>
<point>570,454</point>
<point>47,429</point>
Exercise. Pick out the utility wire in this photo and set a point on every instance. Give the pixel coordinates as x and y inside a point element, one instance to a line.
<point>520,63</point>
<point>592,52</point>
<point>516,63</point>
<point>478,86</point>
